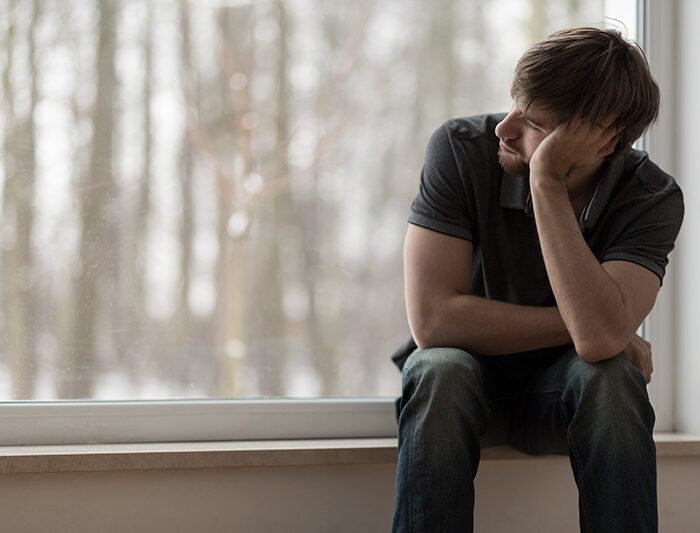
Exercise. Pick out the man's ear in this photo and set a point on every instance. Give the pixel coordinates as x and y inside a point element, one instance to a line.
<point>609,147</point>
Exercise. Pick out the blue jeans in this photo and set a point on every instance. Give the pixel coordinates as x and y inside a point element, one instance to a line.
<point>543,402</point>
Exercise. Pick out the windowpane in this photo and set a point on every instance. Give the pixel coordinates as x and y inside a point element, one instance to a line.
<point>208,198</point>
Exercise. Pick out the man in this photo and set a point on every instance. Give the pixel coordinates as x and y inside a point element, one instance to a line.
<point>536,247</point>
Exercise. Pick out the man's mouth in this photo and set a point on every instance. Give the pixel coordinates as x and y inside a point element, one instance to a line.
<point>505,148</point>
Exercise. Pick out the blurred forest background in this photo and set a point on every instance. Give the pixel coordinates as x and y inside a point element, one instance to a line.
<point>208,198</point>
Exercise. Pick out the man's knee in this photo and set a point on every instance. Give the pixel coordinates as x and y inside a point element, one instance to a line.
<point>614,375</point>
<point>441,364</point>
<point>613,394</point>
<point>450,371</point>
<point>445,384</point>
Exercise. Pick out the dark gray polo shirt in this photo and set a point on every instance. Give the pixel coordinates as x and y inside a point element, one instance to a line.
<point>634,214</point>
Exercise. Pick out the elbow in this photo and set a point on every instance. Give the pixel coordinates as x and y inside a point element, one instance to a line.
<point>593,350</point>
<point>424,330</point>
<point>422,334</point>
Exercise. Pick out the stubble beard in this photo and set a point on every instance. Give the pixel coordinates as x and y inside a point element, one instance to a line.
<point>512,164</point>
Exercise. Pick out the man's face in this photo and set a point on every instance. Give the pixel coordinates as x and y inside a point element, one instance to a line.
<point>521,132</point>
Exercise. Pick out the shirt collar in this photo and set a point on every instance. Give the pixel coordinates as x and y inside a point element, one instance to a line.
<point>515,192</point>
<point>611,173</point>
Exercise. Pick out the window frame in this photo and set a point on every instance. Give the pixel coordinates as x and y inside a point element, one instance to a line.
<point>655,23</point>
<point>83,422</point>
<point>101,422</point>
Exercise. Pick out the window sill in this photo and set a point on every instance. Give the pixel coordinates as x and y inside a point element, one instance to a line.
<point>195,455</point>
<point>237,454</point>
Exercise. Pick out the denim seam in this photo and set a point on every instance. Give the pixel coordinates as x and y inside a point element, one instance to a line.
<point>409,461</point>
<point>579,464</point>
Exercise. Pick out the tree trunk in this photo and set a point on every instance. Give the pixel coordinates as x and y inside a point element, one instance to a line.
<point>95,279</point>
<point>231,272</point>
<point>20,167</point>
<point>267,319</point>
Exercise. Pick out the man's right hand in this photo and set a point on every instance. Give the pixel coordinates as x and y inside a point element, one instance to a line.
<point>639,351</point>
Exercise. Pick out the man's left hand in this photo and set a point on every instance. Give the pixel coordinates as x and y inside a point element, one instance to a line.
<point>570,146</point>
<point>639,351</point>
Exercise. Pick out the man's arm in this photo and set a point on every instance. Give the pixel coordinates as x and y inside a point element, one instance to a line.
<point>437,270</point>
<point>601,305</point>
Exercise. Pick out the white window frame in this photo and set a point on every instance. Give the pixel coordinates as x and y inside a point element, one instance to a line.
<point>82,422</point>
<point>91,422</point>
<point>655,27</point>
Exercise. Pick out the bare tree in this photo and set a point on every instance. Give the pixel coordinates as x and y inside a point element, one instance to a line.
<point>20,168</point>
<point>235,27</point>
<point>97,190</point>
<point>267,336</point>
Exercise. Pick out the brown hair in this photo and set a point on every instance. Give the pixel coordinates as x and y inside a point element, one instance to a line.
<point>592,74</point>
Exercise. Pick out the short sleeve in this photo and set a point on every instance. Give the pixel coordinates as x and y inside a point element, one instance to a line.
<point>441,204</point>
<point>649,238</point>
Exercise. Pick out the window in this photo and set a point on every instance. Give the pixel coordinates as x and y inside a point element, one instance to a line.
<point>206,199</point>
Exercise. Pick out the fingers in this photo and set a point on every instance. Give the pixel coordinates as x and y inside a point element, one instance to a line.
<point>609,145</point>
<point>650,364</point>
<point>639,352</point>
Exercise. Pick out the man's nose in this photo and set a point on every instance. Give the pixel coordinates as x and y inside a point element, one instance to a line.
<point>509,127</point>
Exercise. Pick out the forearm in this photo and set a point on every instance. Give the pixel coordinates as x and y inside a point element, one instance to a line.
<point>488,327</point>
<point>590,303</point>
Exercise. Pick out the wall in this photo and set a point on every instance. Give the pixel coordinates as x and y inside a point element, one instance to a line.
<point>307,499</point>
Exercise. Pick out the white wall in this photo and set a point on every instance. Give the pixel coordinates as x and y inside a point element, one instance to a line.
<point>527,496</point>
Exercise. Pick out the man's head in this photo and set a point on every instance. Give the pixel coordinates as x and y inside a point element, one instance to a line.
<point>582,73</point>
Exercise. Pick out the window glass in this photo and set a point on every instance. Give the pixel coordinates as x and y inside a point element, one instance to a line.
<point>208,198</point>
